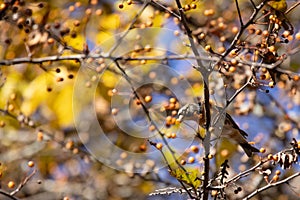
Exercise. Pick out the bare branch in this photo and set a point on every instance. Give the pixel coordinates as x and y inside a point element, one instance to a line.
<point>271,185</point>
<point>8,195</point>
<point>119,40</point>
<point>23,183</point>
<point>239,13</point>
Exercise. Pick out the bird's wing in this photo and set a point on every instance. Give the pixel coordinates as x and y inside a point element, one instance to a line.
<point>229,120</point>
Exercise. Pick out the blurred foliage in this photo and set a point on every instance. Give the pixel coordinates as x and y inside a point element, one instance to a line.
<point>36,97</point>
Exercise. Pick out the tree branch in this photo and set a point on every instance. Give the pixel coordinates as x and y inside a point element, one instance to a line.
<point>271,185</point>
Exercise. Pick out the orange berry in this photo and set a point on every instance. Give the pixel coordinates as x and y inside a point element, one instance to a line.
<point>297,36</point>
<point>182,162</point>
<point>207,47</point>
<point>76,23</point>
<point>209,12</point>
<point>2,124</point>
<point>50,40</point>
<point>11,107</point>
<point>147,48</point>
<point>258,32</point>
<point>173,135</point>
<point>224,153</point>
<point>114,111</point>
<point>233,62</point>
<point>271,84</point>
<point>202,36</point>
<point>129,2</point>
<point>262,150</point>
<point>77,4</point>
<point>148,99</point>
<point>171,106</point>
<point>167,15</point>
<point>11,184</point>
<point>270,157</point>
<point>177,121</point>
<point>2,6</point>
<point>13,96</point>
<point>265,33</point>
<point>75,151</point>
<point>275,178</point>
<point>172,100</point>
<point>194,148</point>
<point>30,163</point>
<point>69,145</point>
<point>40,136</point>
<point>88,11</point>
<point>176,33</point>
<point>286,34</point>
<point>235,30</point>
<point>232,53</point>
<point>151,128</point>
<point>174,113</point>
<point>214,193</point>
<point>169,119</point>
<point>168,135</point>
<point>191,159</point>
<point>99,12</point>
<point>221,49</point>
<point>272,49</point>
<point>278,172</point>
<point>222,38</point>
<point>232,69</point>
<point>88,84</point>
<point>296,78</point>
<point>143,147</point>
<point>187,7</point>
<point>159,146</point>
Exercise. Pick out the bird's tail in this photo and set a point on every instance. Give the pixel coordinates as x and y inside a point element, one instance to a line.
<point>249,149</point>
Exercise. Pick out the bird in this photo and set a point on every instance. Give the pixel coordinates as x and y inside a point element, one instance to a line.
<point>195,111</point>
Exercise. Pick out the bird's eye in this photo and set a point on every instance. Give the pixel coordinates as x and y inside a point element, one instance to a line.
<point>199,103</point>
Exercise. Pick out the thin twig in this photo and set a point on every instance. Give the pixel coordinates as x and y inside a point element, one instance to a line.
<point>8,195</point>
<point>292,7</point>
<point>246,172</point>
<point>165,8</point>
<point>228,102</point>
<point>286,115</point>
<point>205,72</point>
<point>271,185</point>
<point>127,78</point>
<point>239,13</point>
<point>123,35</point>
<point>23,183</point>
<point>243,28</point>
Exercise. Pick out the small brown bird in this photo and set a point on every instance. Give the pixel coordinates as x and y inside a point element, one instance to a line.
<point>230,129</point>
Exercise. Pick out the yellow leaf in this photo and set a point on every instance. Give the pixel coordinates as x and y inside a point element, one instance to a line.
<point>110,22</point>
<point>62,106</point>
<point>109,79</point>
<point>35,94</point>
<point>279,5</point>
<point>225,151</point>
<point>190,177</point>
